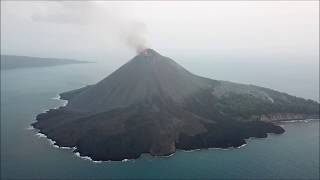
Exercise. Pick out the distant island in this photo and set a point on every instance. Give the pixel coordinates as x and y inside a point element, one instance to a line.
<point>14,62</point>
<point>153,105</point>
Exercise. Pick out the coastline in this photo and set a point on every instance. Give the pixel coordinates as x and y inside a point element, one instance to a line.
<point>77,154</point>
<point>297,120</point>
<point>52,142</point>
<point>58,97</point>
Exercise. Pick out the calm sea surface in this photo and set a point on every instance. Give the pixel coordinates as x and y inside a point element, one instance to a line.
<point>27,92</point>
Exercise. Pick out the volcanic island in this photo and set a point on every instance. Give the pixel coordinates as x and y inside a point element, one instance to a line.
<point>153,105</point>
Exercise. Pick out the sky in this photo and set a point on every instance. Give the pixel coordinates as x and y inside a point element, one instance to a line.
<point>93,30</point>
<point>267,43</point>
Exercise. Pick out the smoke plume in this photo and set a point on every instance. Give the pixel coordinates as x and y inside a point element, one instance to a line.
<point>98,18</point>
<point>135,38</point>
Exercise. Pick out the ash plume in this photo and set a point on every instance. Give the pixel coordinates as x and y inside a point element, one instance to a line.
<point>135,37</point>
<point>101,21</point>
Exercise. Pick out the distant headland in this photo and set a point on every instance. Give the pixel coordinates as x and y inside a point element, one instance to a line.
<point>14,62</point>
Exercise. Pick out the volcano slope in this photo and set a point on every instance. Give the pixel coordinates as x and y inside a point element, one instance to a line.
<point>153,105</point>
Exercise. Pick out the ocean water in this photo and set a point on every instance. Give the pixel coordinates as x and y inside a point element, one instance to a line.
<point>24,155</point>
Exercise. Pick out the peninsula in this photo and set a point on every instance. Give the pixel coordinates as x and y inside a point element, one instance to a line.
<point>14,62</point>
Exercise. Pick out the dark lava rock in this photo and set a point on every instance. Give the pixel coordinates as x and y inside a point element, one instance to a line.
<point>153,105</point>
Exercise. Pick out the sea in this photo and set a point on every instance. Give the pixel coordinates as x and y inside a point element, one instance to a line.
<point>25,154</point>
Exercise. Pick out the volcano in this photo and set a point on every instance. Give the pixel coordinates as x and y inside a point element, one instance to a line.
<point>153,105</point>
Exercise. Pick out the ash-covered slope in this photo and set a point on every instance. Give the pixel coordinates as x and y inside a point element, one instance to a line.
<point>147,75</point>
<point>153,105</point>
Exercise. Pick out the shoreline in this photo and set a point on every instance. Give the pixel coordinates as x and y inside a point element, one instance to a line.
<point>53,143</point>
<point>296,121</point>
<point>58,97</point>
<point>77,154</point>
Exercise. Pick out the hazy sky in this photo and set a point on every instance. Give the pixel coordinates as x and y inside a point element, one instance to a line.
<point>89,30</point>
<point>267,43</point>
